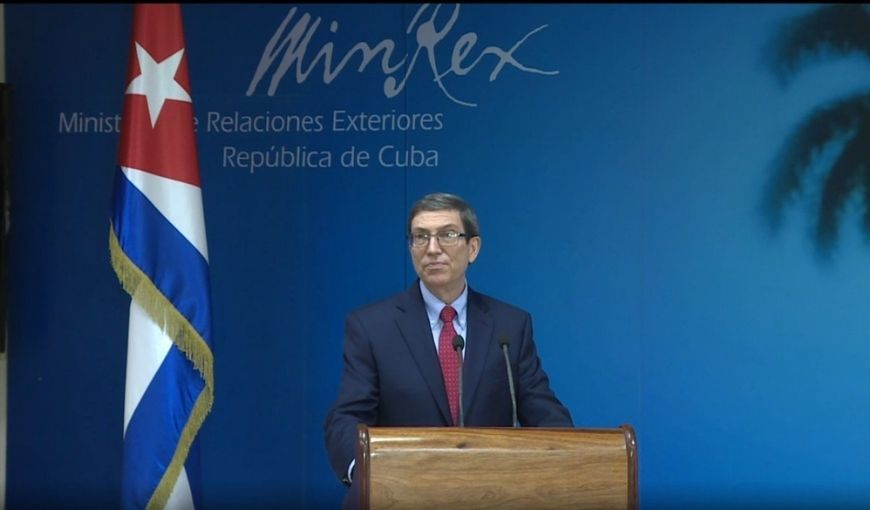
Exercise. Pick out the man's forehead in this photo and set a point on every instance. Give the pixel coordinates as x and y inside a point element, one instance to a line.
<point>435,219</point>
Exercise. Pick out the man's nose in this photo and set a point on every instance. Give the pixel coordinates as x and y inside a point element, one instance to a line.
<point>434,246</point>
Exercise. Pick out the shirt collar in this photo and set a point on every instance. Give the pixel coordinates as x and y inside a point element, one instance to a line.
<point>434,305</point>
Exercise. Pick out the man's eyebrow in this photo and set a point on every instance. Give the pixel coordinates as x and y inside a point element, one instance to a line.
<point>449,226</point>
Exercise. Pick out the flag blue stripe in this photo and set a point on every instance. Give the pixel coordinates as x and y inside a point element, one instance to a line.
<point>193,466</point>
<point>156,426</point>
<point>177,269</point>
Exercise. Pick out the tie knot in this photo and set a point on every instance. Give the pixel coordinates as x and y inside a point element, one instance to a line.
<point>448,314</point>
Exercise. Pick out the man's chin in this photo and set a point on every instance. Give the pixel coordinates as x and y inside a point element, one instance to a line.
<point>435,281</point>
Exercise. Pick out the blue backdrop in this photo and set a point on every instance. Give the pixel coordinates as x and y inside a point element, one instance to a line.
<point>617,157</point>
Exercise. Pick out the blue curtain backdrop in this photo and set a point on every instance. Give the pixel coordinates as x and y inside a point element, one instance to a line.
<point>617,157</point>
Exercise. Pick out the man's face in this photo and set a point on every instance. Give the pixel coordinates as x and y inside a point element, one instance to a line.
<point>442,268</point>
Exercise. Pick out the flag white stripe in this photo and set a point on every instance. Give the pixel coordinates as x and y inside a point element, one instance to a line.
<point>179,202</point>
<point>147,346</point>
<point>181,497</point>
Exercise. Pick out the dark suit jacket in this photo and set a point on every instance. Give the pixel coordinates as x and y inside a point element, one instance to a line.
<point>392,376</point>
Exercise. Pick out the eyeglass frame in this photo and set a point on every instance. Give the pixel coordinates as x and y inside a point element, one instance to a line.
<point>451,236</point>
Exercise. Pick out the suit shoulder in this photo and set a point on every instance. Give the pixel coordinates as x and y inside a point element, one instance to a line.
<point>497,306</point>
<point>381,307</point>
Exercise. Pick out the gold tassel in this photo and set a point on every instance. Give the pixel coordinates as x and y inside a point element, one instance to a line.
<point>189,341</point>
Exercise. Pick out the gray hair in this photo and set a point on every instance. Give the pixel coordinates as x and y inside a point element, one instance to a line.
<point>447,202</point>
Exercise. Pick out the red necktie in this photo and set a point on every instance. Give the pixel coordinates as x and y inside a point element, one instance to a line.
<point>449,361</point>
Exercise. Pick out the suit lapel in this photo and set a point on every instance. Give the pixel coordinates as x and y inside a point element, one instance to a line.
<point>413,323</point>
<point>479,344</point>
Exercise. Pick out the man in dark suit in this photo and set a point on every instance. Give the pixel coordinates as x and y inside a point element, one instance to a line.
<point>400,366</point>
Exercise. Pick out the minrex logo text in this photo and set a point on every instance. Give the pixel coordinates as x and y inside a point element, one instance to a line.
<point>294,45</point>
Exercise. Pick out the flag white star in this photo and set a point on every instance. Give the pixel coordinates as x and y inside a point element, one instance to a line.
<point>157,81</point>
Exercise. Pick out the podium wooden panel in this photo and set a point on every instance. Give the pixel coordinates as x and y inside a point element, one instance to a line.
<point>504,468</point>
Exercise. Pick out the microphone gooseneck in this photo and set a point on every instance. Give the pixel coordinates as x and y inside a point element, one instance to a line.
<point>458,345</point>
<point>504,342</point>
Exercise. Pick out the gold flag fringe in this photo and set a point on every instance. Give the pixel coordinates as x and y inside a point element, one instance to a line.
<point>189,341</point>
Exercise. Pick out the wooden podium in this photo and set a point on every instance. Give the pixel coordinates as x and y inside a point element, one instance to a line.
<point>503,468</point>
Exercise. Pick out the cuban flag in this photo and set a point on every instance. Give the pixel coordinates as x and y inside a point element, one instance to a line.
<point>158,249</point>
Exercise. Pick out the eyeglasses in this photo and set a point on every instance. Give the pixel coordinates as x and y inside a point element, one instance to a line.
<point>445,238</point>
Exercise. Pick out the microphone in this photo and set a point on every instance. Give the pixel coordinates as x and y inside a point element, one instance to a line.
<point>504,341</point>
<point>458,345</point>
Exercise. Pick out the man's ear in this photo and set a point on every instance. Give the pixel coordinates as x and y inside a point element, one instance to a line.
<point>473,248</point>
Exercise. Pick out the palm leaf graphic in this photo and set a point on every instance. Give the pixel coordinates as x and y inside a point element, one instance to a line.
<point>825,33</point>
